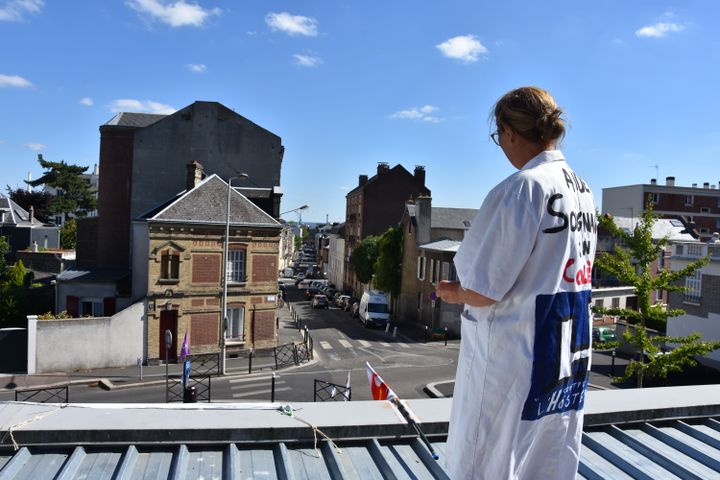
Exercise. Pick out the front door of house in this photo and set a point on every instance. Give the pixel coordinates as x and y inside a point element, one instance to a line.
<point>168,321</point>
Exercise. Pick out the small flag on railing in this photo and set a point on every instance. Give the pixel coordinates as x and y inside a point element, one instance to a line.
<point>380,390</point>
<point>185,349</point>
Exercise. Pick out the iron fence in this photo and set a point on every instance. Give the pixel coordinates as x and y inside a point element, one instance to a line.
<point>205,364</point>
<point>203,388</point>
<point>331,392</point>
<point>43,395</point>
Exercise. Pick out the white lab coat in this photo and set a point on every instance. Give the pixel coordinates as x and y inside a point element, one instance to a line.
<point>522,371</point>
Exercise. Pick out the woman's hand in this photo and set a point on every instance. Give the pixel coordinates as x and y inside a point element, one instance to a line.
<point>449,292</point>
<point>452,292</point>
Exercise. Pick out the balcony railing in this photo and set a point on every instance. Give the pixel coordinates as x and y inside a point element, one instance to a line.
<point>696,250</point>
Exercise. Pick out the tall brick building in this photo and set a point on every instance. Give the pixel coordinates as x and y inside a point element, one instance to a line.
<point>696,205</point>
<point>375,205</point>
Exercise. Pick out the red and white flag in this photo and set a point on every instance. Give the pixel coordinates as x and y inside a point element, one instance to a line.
<point>380,390</point>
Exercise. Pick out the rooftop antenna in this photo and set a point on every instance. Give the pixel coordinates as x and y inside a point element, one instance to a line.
<point>657,171</point>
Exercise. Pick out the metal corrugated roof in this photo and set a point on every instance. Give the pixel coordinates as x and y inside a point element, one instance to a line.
<point>677,449</point>
<point>230,441</point>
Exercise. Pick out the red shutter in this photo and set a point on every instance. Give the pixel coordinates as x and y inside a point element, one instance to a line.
<point>108,306</point>
<point>72,306</point>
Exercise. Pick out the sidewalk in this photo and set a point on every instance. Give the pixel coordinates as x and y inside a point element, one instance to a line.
<point>126,377</point>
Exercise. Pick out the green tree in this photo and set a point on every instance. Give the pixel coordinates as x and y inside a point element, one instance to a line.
<point>40,201</point>
<point>75,195</point>
<point>13,295</point>
<point>388,267</point>
<point>68,234</point>
<point>364,257</point>
<point>4,249</point>
<point>633,266</point>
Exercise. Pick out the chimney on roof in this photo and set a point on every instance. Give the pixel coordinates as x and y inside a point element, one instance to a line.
<point>670,181</point>
<point>694,185</point>
<point>382,168</point>
<point>706,185</point>
<point>194,175</point>
<point>653,181</point>
<point>362,180</point>
<point>420,174</point>
<point>32,214</point>
<point>423,209</point>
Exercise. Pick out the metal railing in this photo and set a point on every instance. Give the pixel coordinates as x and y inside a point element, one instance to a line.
<point>205,364</point>
<point>43,395</point>
<point>203,388</point>
<point>331,392</point>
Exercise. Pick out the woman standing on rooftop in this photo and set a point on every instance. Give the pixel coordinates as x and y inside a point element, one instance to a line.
<point>524,272</point>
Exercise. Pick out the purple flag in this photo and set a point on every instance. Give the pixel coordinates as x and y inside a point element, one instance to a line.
<point>185,349</point>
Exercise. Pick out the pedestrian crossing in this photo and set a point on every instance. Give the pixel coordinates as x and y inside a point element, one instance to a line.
<point>256,388</point>
<point>341,343</point>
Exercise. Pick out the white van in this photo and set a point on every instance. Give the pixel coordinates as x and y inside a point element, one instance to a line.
<point>374,309</point>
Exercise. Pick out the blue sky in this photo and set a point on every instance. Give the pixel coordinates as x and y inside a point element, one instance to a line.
<point>349,84</point>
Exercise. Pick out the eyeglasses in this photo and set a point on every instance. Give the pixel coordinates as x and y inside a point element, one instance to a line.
<point>496,137</point>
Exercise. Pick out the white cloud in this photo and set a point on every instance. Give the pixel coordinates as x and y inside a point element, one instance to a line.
<point>14,81</point>
<point>14,10</point>
<point>658,30</point>
<point>418,113</point>
<point>292,24</point>
<point>177,14</point>
<point>148,106</point>
<point>87,101</point>
<point>464,47</point>
<point>307,60</point>
<point>35,146</point>
<point>196,67</point>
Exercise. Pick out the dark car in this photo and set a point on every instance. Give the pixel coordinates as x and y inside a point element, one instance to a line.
<point>330,292</point>
<point>311,292</point>
<point>319,301</point>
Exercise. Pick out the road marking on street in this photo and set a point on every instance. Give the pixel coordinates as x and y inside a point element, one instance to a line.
<point>365,343</point>
<point>259,392</point>
<point>326,345</point>
<point>345,343</point>
<point>256,385</point>
<point>385,344</point>
<point>403,345</point>
<point>251,379</point>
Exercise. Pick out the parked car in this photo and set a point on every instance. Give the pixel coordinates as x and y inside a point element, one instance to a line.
<point>604,334</point>
<point>330,292</point>
<point>311,292</point>
<point>319,301</point>
<point>340,301</point>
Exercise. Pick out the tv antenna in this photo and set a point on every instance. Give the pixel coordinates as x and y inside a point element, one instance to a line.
<point>657,171</point>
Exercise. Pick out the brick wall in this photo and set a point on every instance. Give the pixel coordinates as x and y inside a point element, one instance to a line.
<point>204,329</point>
<point>206,268</point>
<point>264,268</point>
<point>709,298</point>
<point>264,328</point>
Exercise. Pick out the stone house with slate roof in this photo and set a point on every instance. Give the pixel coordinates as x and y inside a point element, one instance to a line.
<point>431,237</point>
<point>178,266</point>
<point>22,230</point>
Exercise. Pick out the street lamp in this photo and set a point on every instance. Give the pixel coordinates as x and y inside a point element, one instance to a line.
<point>299,212</point>
<point>224,323</point>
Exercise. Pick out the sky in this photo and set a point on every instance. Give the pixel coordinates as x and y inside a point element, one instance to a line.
<point>349,84</point>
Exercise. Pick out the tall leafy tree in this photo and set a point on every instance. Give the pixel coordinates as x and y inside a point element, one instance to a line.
<point>4,250</point>
<point>76,196</point>
<point>68,234</point>
<point>40,201</point>
<point>364,257</point>
<point>388,267</point>
<point>633,266</point>
<point>13,295</point>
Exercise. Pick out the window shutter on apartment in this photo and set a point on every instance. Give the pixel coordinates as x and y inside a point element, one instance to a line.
<point>108,306</point>
<point>72,304</point>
